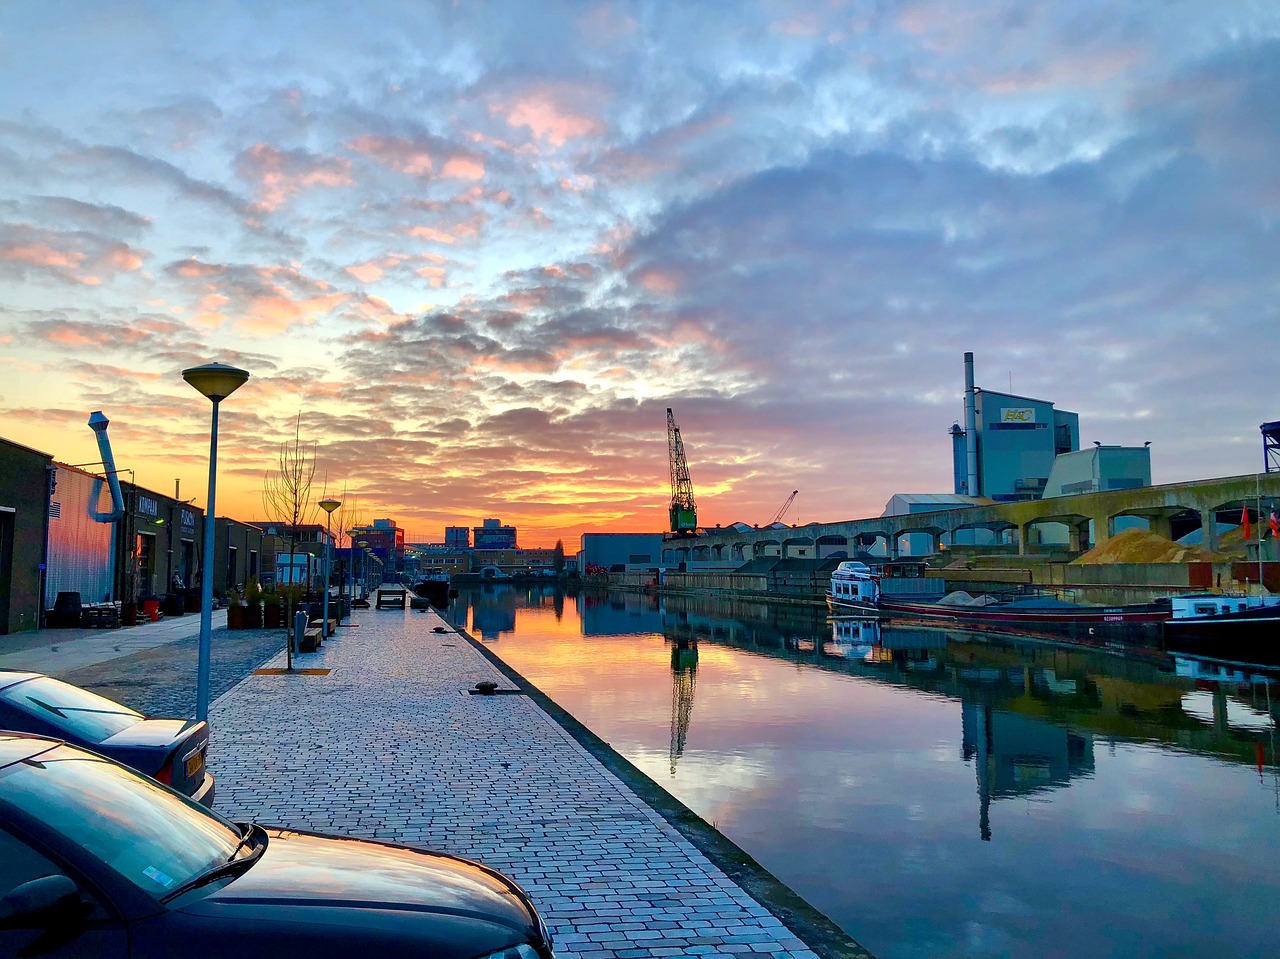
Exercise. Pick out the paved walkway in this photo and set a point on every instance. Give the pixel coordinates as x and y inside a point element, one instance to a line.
<point>58,651</point>
<point>390,745</point>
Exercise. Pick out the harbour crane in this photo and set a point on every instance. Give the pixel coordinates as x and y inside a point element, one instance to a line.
<point>684,512</point>
<point>777,517</point>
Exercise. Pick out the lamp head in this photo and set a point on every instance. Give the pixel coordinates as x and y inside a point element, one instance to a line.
<point>217,381</point>
<point>329,505</point>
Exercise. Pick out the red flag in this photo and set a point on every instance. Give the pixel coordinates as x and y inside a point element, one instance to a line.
<point>1244,521</point>
<point>1275,524</point>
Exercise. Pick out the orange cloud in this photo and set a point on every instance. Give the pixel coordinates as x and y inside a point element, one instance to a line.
<point>464,168</point>
<point>427,233</point>
<point>659,281</point>
<point>547,120</point>
<point>280,174</point>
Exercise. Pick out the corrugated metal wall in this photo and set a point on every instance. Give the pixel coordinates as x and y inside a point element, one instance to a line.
<point>79,545</point>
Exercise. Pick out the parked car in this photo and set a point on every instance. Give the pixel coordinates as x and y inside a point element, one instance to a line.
<point>98,860</point>
<point>169,750</point>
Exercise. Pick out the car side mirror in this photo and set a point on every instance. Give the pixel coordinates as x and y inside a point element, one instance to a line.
<point>40,903</point>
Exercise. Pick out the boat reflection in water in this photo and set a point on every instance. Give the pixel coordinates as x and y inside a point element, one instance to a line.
<point>991,795</point>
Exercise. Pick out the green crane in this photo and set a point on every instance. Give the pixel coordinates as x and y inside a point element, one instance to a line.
<point>684,512</point>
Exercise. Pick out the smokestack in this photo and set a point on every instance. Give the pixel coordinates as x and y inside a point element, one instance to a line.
<point>970,428</point>
<point>99,423</point>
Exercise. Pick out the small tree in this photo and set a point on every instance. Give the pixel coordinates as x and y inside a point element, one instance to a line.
<point>286,498</point>
<point>557,559</point>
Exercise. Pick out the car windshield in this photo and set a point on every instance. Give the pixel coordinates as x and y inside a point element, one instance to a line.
<point>151,836</point>
<point>76,712</point>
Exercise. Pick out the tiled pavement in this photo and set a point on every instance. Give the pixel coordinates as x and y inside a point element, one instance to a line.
<point>390,745</point>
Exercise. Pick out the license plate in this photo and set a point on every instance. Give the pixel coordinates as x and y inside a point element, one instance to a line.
<point>195,764</point>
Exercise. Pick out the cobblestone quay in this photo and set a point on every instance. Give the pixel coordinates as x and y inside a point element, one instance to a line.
<point>390,744</point>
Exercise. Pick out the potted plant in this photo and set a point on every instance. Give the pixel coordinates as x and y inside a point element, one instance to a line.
<point>271,615</point>
<point>253,604</point>
<point>235,610</point>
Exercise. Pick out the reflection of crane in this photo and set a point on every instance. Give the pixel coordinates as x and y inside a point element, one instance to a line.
<point>777,517</point>
<point>684,679</point>
<point>684,512</point>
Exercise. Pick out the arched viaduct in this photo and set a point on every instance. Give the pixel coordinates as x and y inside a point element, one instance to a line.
<point>1089,517</point>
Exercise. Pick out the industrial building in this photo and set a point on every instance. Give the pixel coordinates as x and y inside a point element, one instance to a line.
<point>620,552</point>
<point>493,535</point>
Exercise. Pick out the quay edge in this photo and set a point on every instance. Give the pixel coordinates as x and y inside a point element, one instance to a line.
<point>819,933</point>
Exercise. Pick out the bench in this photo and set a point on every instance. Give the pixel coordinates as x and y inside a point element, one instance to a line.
<point>100,616</point>
<point>392,598</point>
<point>311,640</point>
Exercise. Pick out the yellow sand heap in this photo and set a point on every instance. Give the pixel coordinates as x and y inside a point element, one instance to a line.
<point>1143,546</point>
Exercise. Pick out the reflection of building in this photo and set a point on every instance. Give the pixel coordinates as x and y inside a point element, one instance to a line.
<point>621,614</point>
<point>1019,756</point>
<point>493,610</point>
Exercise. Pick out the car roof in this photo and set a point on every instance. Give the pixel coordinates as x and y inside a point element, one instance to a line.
<point>11,677</point>
<point>15,747</point>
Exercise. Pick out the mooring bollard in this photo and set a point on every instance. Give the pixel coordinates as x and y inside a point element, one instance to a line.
<point>299,629</point>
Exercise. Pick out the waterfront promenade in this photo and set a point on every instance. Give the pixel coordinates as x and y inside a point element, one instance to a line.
<point>389,744</point>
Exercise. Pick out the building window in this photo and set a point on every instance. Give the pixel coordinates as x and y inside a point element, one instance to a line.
<point>233,576</point>
<point>639,559</point>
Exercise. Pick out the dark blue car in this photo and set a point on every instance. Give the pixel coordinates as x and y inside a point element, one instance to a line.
<point>98,860</point>
<point>169,750</point>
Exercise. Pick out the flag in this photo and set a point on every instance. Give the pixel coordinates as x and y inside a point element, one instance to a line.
<point>1275,524</point>
<point>1244,521</point>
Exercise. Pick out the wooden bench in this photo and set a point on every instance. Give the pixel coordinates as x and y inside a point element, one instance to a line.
<point>311,640</point>
<point>100,615</point>
<point>392,598</point>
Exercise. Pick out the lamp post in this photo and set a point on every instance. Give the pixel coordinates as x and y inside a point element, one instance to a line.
<point>216,381</point>
<point>328,505</point>
<point>364,577</point>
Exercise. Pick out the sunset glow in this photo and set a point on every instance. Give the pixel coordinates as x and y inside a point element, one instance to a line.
<point>480,248</point>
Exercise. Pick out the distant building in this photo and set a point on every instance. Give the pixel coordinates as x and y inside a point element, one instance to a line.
<point>1017,440</point>
<point>621,552</point>
<point>457,537</point>
<point>387,542</point>
<point>1100,468</point>
<point>493,535</point>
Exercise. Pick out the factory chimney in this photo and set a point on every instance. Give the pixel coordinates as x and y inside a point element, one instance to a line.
<point>970,429</point>
<point>99,423</point>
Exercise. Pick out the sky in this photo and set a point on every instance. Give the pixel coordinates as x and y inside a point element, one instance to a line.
<point>473,251</point>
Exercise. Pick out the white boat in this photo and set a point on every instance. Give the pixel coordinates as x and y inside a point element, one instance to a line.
<point>854,590</point>
<point>1242,629</point>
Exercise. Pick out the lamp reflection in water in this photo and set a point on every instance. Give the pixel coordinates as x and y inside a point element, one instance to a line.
<point>216,381</point>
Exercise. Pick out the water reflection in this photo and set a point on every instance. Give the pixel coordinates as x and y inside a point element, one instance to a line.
<point>991,796</point>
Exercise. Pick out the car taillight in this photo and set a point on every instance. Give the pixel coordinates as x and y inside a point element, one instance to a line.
<point>165,775</point>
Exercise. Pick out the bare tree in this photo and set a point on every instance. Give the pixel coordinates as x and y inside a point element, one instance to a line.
<point>286,497</point>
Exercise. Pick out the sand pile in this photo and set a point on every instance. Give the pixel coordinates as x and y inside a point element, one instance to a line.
<point>1143,546</point>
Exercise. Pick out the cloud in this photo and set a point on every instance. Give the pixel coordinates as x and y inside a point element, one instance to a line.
<point>551,114</point>
<point>79,257</point>
<point>279,174</point>
<point>415,157</point>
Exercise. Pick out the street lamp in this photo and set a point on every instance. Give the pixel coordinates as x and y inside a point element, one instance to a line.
<point>216,381</point>
<point>328,505</point>
<point>364,575</point>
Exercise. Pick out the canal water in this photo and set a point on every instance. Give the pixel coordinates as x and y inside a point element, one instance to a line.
<point>935,793</point>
